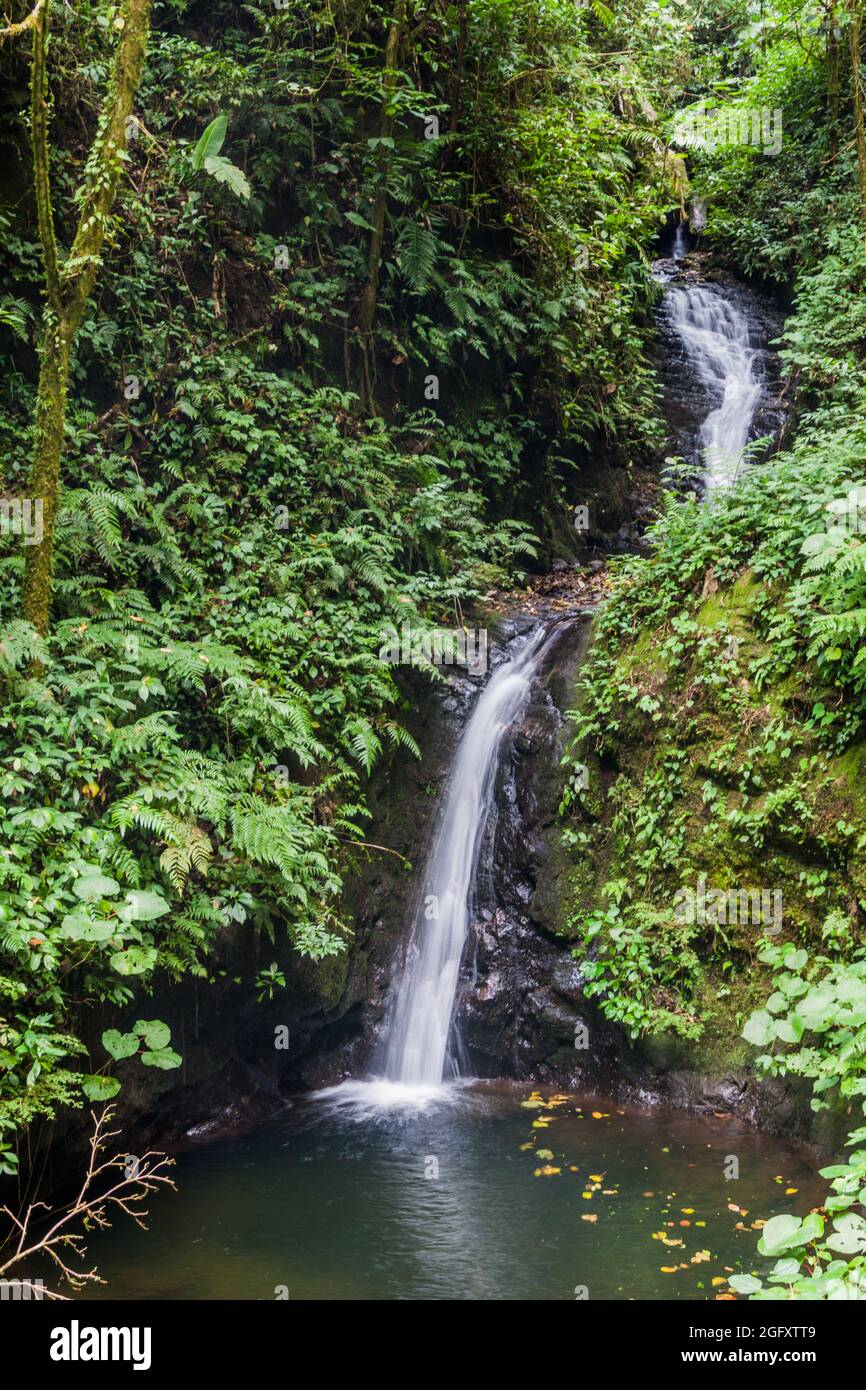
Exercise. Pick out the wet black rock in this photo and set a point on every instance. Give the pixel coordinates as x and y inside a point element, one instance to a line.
<point>687,400</point>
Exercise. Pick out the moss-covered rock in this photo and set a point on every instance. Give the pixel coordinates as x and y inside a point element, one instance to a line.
<point>715,813</point>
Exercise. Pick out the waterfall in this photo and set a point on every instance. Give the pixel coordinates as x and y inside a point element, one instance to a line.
<point>681,241</point>
<point>716,339</point>
<point>417,1053</point>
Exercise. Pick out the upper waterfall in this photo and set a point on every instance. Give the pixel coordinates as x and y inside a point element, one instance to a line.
<point>716,338</point>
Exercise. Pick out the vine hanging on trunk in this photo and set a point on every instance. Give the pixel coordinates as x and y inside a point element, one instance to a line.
<point>69,282</point>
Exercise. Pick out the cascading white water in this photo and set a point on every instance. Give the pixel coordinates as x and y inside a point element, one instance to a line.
<point>716,338</point>
<point>416,1058</point>
<point>418,1047</point>
<point>681,242</point>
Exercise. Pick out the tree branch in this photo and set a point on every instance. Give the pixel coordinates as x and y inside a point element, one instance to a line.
<point>89,1210</point>
<point>13,30</point>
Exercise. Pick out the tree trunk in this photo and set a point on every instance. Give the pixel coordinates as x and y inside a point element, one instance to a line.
<point>859,134</point>
<point>833,78</point>
<point>370,294</point>
<point>457,82</point>
<point>68,290</point>
<point>45,475</point>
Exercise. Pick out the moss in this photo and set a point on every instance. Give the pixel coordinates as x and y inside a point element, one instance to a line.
<point>769,822</point>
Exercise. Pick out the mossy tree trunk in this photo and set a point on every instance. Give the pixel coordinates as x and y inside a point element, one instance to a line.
<point>834,64</point>
<point>370,293</point>
<point>68,286</point>
<point>855,34</point>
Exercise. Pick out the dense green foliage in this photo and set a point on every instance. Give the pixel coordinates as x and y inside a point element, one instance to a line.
<point>723,709</point>
<point>374,297</point>
<point>254,484</point>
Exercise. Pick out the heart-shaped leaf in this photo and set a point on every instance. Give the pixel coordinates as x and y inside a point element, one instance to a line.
<point>143,906</point>
<point>77,926</point>
<point>92,887</point>
<point>120,1045</point>
<point>779,1234</point>
<point>165,1059</point>
<point>155,1033</point>
<point>99,1088</point>
<point>136,961</point>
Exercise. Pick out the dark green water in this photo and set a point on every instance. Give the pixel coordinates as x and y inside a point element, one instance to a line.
<point>327,1205</point>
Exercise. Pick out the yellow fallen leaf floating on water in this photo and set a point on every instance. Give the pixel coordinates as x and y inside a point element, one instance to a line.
<point>668,1269</point>
<point>546,1171</point>
<point>719,1279</point>
<point>524,1147</point>
<point>610,1192</point>
<point>587,1195</point>
<point>700,1256</point>
<point>544,1153</point>
<point>596,1177</point>
<point>540,1123</point>
<point>587,1216</point>
<point>687,1211</point>
<point>789,1191</point>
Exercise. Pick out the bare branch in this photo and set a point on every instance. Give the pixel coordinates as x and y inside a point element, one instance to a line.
<point>62,1242</point>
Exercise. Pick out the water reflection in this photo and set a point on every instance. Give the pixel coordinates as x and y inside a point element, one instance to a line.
<point>332,1203</point>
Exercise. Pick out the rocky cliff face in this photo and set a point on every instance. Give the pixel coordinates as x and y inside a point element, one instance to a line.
<point>686,400</point>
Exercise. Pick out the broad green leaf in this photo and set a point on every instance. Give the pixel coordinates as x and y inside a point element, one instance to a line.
<point>779,1234</point>
<point>136,961</point>
<point>119,1045</point>
<point>790,1030</point>
<point>77,926</point>
<point>165,1059</point>
<point>745,1283</point>
<point>760,1028</point>
<point>99,1088</point>
<point>812,1228</point>
<point>210,141</point>
<point>155,1033</point>
<point>143,906</point>
<point>91,887</point>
